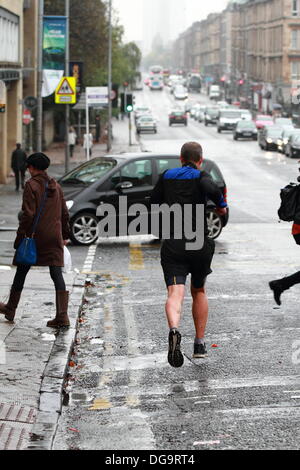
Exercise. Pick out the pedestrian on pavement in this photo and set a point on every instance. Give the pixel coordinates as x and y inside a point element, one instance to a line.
<point>18,165</point>
<point>72,140</point>
<point>98,128</point>
<point>88,143</point>
<point>187,185</point>
<point>51,235</point>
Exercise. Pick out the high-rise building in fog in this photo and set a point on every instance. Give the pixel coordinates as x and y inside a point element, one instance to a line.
<point>164,18</point>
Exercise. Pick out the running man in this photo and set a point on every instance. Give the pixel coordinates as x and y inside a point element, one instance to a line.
<point>187,185</point>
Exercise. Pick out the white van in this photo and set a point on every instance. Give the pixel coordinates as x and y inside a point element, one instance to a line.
<point>215,92</point>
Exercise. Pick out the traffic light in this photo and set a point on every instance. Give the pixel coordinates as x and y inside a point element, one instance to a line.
<point>123,110</point>
<point>129,103</point>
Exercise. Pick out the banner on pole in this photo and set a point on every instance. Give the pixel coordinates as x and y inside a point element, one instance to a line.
<point>54,52</point>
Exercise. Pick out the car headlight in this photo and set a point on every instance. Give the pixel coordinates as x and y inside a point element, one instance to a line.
<point>285,141</point>
<point>269,141</point>
<point>279,142</point>
<point>70,204</point>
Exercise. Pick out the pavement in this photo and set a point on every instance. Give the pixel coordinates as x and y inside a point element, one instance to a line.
<point>34,358</point>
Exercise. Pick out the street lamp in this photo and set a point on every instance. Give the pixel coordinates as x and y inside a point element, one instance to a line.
<point>109,136</point>
<point>39,120</point>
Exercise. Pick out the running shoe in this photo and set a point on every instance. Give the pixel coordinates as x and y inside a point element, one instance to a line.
<point>200,351</point>
<point>175,357</point>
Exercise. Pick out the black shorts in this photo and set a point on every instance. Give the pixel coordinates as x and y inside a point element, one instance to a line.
<point>177,263</point>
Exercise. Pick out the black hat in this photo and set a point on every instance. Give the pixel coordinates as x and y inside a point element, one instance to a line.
<point>39,160</point>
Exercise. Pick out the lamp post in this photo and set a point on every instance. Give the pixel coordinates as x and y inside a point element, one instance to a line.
<point>109,136</point>
<point>39,120</point>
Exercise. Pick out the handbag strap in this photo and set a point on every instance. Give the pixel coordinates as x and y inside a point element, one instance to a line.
<point>42,206</point>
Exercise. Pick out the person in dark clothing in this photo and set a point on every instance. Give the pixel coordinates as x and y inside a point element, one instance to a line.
<point>187,185</point>
<point>51,235</point>
<point>18,165</point>
<point>278,286</point>
<point>98,128</point>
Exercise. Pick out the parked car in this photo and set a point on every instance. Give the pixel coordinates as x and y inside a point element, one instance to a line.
<point>263,120</point>
<point>211,115</point>
<point>269,137</point>
<point>292,148</point>
<point>228,118</point>
<point>286,134</point>
<point>178,116</point>
<point>180,93</point>
<point>104,179</point>
<point>245,129</point>
<point>146,123</point>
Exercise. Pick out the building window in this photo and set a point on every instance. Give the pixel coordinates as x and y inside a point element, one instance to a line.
<point>295,70</point>
<point>295,39</point>
<point>9,37</point>
<point>295,7</point>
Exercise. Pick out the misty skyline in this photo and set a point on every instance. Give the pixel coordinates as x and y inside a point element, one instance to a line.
<point>143,20</point>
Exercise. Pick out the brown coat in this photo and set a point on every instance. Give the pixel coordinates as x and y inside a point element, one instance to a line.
<point>53,226</point>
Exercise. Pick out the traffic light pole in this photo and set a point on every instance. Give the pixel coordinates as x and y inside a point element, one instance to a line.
<point>130,127</point>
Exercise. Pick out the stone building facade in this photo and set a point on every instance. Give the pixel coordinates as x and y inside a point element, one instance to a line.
<point>18,39</point>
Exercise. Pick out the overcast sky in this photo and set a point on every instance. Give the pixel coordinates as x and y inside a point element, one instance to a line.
<point>185,12</point>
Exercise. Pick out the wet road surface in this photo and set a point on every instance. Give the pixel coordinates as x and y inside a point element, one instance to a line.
<point>122,393</point>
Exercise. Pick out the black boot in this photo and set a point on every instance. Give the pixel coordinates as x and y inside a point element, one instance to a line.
<point>277,289</point>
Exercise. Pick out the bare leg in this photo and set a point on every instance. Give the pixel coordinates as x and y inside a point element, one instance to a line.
<point>174,305</point>
<point>200,311</point>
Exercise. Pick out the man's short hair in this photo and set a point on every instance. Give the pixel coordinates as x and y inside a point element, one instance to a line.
<point>191,152</point>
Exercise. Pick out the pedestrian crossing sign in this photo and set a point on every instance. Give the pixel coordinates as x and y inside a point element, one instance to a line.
<point>65,93</point>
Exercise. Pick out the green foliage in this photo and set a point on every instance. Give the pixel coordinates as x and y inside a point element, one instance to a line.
<point>89,41</point>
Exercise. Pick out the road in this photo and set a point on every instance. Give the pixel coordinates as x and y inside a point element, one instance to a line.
<point>122,394</point>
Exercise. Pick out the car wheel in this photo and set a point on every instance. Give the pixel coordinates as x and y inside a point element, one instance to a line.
<point>214,223</point>
<point>219,130</point>
<point>235,137</point>
<point>84,229</point>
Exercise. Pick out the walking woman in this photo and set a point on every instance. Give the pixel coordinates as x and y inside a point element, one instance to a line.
<point>44,194</point>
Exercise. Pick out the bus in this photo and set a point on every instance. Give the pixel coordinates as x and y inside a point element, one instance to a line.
<point>156,70</point>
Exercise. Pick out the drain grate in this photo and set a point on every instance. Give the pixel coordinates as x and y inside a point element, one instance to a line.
<point>15,425</point>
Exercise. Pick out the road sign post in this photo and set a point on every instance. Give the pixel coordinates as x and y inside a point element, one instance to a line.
<point>94,96</point>
<point>65,93</point>
<point>26,117</point>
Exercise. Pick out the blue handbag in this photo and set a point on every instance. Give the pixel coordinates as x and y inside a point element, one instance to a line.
<point>26,253</point>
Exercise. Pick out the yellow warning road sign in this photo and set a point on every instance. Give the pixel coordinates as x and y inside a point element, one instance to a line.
<point>65,93</point>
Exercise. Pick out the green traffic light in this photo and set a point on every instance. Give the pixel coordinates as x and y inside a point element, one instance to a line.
<point>129,109</point>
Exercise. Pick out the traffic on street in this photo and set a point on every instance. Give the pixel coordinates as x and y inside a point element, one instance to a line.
<point>240,395</point>
<point>149,228</point>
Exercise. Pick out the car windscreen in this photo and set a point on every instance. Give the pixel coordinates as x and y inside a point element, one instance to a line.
<point>264,118</point>
<point>213,111</point>
<point>89,172</point>
<point>274,132</point>
<point>231,114</point>
<point>246,125</point>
